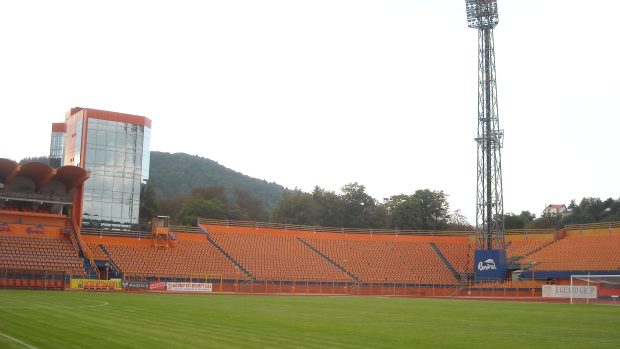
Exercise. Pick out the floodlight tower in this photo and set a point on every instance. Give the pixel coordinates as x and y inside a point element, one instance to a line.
<point>482,15</point>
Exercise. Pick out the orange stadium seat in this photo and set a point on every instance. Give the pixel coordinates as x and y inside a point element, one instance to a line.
<point>277,258</point>
<point>38,253</point>
<point>387,261</point>
<point>579,253</point>
<point>186,259</point>
<point>459,254</point>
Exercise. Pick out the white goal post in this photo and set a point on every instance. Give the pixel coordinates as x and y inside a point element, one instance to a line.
<point>593,286</point>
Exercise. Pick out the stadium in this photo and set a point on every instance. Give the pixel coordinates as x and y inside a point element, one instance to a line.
<point>56,234</point>
<point>81,268</point>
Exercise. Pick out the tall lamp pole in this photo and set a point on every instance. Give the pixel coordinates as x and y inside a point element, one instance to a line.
<point>482,15</point>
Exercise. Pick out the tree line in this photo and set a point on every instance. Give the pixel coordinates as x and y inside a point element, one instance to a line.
<point>352,207</point>
<point>588,210</point>
<point>206,202</point>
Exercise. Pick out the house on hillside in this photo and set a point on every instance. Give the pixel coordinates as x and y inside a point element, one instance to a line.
<point>554,211</point>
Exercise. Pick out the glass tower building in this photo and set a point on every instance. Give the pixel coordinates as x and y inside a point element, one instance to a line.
<point>115,148</point>
<point>57,145</point>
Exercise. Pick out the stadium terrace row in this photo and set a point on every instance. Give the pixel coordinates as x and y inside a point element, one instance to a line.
<point>270,254</point>
<point>40,254</point>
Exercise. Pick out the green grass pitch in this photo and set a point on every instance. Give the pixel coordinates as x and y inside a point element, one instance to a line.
<point>42,320</point>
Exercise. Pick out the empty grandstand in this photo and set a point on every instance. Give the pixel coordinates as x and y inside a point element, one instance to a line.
<point>42,246</point>
<point>38,243</point>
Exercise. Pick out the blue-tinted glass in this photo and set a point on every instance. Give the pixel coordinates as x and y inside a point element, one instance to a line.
<point>111,138</point>
<point>101,137</point>
<point>120,159</point>
<point>109,158</point>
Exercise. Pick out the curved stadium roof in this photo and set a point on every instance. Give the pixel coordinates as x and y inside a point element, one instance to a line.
<point>41,174</point>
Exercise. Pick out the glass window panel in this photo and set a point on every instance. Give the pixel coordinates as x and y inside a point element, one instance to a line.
<point>116,211</point>
<point>138,162</point>
<point>117,184</point>
<point>128,197</point>
<point>109,171</point>
<point>120,158</point>
<point>109,158</point>
<point>101,135</point>
<point>98,182</point>
<point>106,210</point>
<point>129,159</point>
<point>117,196</point>
<point>121,139</point>
<point>91,136</point>
<point>128,184</point>
<point>125,211</point>
<point>87,208</point>
<point>107,183</point>
<point>146,159</point>
<point>100,156</point>
<point>111,138</point>
<point>96,210</point>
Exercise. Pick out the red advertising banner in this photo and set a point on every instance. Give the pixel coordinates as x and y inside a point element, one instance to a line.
<point>157,286</point>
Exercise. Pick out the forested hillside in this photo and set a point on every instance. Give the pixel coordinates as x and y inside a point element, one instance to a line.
<point>173,175</point>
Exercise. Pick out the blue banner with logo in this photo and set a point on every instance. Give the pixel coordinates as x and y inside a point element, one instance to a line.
<point>490,264</point>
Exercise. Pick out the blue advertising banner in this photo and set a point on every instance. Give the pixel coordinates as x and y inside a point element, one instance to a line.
<point>490,264</point>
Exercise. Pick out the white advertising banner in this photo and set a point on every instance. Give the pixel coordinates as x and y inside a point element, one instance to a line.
<point>189,287</point>
<point>565,291</point>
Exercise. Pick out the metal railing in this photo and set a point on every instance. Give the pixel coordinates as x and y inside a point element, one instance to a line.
<point>361,231</point>
<point>336,230</point>
<point>599,225</point>
<point>88,254</point>
<point>321,229</point>
<point>137,234</point>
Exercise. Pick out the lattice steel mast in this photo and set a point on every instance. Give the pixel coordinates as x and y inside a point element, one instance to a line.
<point>482,15</point>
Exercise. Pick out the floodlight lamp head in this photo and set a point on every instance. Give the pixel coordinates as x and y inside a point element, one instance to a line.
<point>481,14</point>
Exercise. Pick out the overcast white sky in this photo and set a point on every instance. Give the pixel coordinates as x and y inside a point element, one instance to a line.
<point>325,93</point>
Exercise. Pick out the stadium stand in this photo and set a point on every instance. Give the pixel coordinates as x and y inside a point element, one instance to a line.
<point>273,257</point>
<point>579,253</point>
<point>43,246</point>
<point>188,258</point>
<point>459,254</point>
<point>34,253</point>
<point>383,261</point>
<point>97,252</point>
<point>526,247</point>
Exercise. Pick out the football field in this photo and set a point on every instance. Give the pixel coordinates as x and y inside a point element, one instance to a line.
<point>46,320</point>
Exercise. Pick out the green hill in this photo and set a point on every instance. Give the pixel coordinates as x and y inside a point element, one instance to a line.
<point>178,174</point>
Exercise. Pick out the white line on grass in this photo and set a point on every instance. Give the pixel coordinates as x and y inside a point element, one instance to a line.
<point>43,305</point>
<point>103,304</point>
<point>18,341</point>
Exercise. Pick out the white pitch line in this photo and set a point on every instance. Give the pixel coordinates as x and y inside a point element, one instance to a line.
<point>103,304</point>
<point>18,341</point>
<point>56,306</point>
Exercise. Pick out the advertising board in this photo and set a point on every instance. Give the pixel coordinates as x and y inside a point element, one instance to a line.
<point>565,291</point>
<point>189,287</point>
